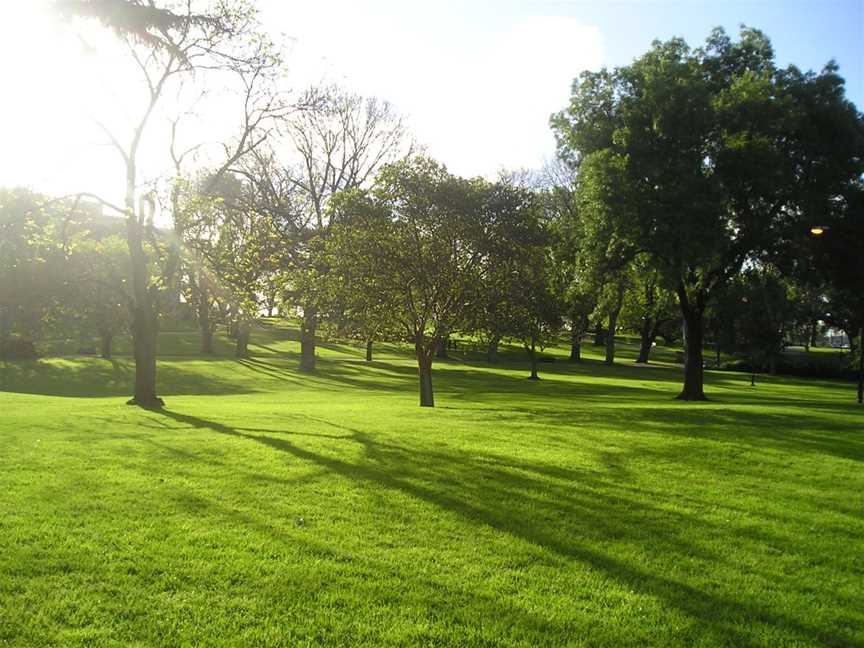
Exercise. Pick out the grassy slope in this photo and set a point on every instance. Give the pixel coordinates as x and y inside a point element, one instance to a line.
<point>586,509</point>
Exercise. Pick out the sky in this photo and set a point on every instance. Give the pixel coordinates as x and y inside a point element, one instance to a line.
<point>476,79</point>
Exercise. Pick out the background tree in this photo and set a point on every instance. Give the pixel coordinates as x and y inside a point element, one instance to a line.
<point>649,307</point>
<point>338,143</point>
<point>99,297</point>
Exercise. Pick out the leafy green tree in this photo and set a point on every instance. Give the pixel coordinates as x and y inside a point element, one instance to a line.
<point>515,250</point>
<point>699,159</point>
<point>533,316</point>
<point>649,308</point>
<point>99,295</point>
<point>418,235</point>
<point>35,235</point>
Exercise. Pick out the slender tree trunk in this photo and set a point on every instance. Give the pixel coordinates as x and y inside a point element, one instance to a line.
<point>307,339</point>
<point>694,378</point>
<point>271,305</point>
<point>369,350</point>
<point>532,355</point>
<point>106,339</point>
<point>577,328</point>
<point>646,340</point>
<point>492,349</point>
<point>204,324</point>
<point>424,372</point>
<point>610,338</point>
<point>860,364</point>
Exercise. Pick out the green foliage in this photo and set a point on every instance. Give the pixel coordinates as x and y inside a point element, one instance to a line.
<point>704,159</point>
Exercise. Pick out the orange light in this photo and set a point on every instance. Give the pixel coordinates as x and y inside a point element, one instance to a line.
<point>817,231</point>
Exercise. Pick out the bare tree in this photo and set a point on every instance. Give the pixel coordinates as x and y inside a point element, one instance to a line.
<point>337,142</point>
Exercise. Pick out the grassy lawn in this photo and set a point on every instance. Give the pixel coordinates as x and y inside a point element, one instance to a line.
<point>267,508</point>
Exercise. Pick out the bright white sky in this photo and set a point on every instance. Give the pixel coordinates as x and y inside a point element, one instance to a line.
<point>477,79</point>
<point>478,97</point>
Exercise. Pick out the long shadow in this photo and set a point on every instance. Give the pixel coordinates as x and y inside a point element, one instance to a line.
<point>96,378</point>
<point>509,499</point>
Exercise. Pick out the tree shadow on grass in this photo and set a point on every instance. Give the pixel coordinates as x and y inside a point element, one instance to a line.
<point>97,378</point>
<point>569,513</point>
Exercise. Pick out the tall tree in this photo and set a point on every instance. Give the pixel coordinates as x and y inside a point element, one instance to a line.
<point>698,158</point>
<point>164,44</point>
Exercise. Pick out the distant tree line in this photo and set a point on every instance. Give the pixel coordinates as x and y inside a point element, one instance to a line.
<point>681,207</point>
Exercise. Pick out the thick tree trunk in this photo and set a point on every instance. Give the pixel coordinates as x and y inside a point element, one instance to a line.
<point>577,329</point>
<point>599,335</point>
<point>369,350</point>
<point>646,341</point>
<point>492,350</point>
<point>106,339</point>
<point>441,352</point>
<point>532,355</point>
<point>243,335</point>
<point>694,378</point>
<point>307,339</point>
<point>575,351</point>
<point>424,373</point>
<point>144,316</point>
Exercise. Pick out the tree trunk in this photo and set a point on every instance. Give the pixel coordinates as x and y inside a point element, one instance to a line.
<point>243,335</point>
<point>106,339</point>
<point>576,331</point>
<point>271,305</point>
<point>204,324</point>
<point>144,316</point>
<point>694,378</point>
<point>424,372</point>
<point>646,341</point>
<point>441,352</point>
<point>599,335</point>
<point>369,350</point>
<point>610,337</point>
<point>492,350</point>
<point>813,333</point>
<point>307,339</point>
<point>532,355</point>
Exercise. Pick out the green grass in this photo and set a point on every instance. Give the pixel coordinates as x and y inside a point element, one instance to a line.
<point>586,509</point>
